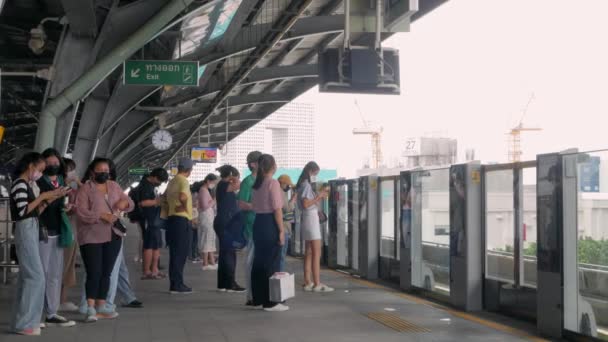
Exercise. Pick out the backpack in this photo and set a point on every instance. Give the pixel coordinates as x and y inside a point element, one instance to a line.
<point>135,216</point>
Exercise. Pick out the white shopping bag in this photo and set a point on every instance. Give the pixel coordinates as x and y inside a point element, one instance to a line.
<point>282,287</point>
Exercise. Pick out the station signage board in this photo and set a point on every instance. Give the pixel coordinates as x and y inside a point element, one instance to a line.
<point>204,155</point>
<point>160,73</point>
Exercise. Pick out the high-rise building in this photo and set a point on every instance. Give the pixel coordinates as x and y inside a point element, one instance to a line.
<point>288,134</point>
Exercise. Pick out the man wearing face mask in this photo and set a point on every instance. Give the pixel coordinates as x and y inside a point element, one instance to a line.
<point>179,231</point>
<point>149,204</point>
<point>51,249</point>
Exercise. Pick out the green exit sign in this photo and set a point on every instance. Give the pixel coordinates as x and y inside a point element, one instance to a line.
<point>176,73</point>
<point>139,171</point>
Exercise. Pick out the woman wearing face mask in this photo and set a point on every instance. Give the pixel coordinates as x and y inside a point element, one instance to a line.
<point>228,217</point>
<point>206,238</point>
<point>51,250</point>
<point>268,233</point>
<point>308,202</point>
<point>25,208</point>
<point>100,202</point>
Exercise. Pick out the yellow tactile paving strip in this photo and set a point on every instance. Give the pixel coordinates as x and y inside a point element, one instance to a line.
<point>460,314</point>
<point>396,323</point>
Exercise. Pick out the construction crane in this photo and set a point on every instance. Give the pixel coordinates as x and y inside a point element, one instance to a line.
<point>376,134</point>
<point>515,151</point>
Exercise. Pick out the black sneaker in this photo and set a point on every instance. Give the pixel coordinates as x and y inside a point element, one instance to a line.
<point>134,305</point>
<point>237,289</point>
<point>182,290</point>
<point>58,321</point>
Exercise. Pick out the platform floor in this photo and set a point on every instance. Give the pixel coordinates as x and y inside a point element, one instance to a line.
<point>209,316</point>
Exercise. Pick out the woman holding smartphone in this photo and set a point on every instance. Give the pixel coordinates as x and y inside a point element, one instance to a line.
<point>100,202</point>
<point>51,251</point>
<point>25,209</point>
<point>228,218</point>
<point>308,202</point>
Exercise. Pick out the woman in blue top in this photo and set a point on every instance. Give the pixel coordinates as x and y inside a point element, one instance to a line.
<point>229,220</point>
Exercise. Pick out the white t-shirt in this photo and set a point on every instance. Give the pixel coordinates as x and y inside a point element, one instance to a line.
<point>305,192</point>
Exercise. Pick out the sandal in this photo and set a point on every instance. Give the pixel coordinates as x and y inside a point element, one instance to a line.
<point>149,277</point>
<point>160,275</point>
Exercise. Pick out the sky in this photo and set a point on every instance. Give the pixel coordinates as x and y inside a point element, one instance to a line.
<point>467,71</point>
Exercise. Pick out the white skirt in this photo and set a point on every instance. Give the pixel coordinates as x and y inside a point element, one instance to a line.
<point>206,234</point>
<point>311,228</point>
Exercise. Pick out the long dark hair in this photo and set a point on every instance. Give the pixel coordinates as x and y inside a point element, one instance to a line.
<point>209,178</point>
<point>308,169</point>
<point>265,164</point>
<point>24,163</point>
<point>51,152</point>
<point>95,162</point>
<point>228,171</point>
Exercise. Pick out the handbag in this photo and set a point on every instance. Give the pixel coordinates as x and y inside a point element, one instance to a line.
<point>43,233</point>
<point>322,217</point>
<point>66,237</point>
<point>118,227</point>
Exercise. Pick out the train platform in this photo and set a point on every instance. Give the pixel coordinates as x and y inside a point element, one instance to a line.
<point>358,310</point>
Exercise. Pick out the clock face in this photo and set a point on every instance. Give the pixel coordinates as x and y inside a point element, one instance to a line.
<point>162,139</point>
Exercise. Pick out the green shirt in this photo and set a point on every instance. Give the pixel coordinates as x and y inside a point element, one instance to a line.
<point>245,195</point>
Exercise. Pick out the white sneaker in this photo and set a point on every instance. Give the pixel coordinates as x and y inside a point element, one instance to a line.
<point>277,308</point>
<point>90,316</point>
<point>207,268</point>
<point>309,288</point>
<point>59,321</point>
<point>68,307</point>
<point>222,290</point>
<point>323,288</point>
<point>42,325</point>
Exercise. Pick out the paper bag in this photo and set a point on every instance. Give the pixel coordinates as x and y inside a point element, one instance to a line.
<point>282,287</point>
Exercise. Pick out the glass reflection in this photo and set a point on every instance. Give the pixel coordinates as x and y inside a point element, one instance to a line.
<point>430,233</point>
<point>387,200</point>
<point>500,225</point>
<point>592,248</point>
<point>342,225</point>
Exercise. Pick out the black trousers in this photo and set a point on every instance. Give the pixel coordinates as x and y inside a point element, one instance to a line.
<point>226,262</point>
<point>266,257</point>
<point>179,234</point>
<point>99,260</point>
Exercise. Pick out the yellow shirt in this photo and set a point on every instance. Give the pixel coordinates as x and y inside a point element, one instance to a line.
<point>176,186</point>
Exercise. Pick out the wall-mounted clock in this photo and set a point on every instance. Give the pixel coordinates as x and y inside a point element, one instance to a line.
<point>162,140</point>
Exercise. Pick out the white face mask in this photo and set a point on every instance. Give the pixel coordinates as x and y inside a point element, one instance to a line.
<point>313,178</point>
<point>72,174</point>
<point>211,186</point>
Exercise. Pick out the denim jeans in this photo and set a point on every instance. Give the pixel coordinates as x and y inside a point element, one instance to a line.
<point>249,265</point>
<point>29,299</point>
<point>266,257</point>
<point>51,256</point>
<point>284,251</point>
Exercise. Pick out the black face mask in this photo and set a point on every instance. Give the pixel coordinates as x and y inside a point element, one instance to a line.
<point>286,189</point>
<point>52,170</point>
<point>101,177</point>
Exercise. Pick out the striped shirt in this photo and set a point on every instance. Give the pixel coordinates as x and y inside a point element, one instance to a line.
<point>21,195</point>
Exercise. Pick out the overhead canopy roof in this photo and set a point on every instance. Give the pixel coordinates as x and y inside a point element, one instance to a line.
<point>254,56</point>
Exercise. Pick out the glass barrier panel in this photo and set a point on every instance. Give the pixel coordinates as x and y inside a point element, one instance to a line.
<point>500,225</point>
<point>342,220</point>
<point>592,247</point>
<point>529,228</point>
<point>354,219</point>
<point>387,218</point>
<point>431,230</point>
